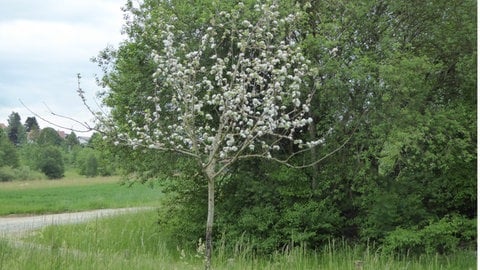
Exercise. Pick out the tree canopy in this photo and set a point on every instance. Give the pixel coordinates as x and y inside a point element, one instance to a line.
<point>31,124</point>
<point>49,136</point>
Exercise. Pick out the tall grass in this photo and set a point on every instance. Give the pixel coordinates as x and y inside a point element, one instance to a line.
<point>134,241</point>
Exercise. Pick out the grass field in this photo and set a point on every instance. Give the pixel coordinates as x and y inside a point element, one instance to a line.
<point>73,193</point>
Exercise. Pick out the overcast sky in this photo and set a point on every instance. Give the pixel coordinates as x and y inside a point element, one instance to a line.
<point>43,45</point>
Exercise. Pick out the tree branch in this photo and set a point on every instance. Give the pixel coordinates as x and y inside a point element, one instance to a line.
<point>83,124</point>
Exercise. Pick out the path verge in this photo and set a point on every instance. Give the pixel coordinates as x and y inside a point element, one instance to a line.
<point>17,225</point>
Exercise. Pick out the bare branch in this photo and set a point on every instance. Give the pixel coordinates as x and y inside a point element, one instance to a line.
<point>83,124</point>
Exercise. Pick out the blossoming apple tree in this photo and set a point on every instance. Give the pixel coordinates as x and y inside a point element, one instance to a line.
<point>237,92</point>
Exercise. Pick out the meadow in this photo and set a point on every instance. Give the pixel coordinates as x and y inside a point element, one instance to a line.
<point>135,241</point>
<point>71,194</point>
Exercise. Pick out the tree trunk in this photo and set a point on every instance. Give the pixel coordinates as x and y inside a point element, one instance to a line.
<point>210,215</point>
<point>313,154</point>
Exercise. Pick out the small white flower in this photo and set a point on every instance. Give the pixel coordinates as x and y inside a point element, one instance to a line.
<point>334,51</point>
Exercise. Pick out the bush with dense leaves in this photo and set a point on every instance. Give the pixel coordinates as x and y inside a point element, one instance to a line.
<point>273,207</point>
<point>269,207</point>
<point>8,152</point>
<point>94,161</point>
<point>443,236</point>
<point>26,173</point>
<point>51,162</point>
<point>87,162</point>
<point>7,174</point>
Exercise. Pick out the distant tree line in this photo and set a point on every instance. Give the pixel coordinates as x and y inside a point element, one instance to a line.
<point>30,152</point>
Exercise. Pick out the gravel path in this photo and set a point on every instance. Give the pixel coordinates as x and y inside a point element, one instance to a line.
<point>16,225</point>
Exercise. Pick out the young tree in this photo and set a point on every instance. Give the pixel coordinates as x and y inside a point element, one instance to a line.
<point>87,162</point>
<point>31,124</point>
<point>8,153</point>
<point>241,92</point>
<point>50,162</point>
<point>71,140</point>
<point>49,136</point>
<point>32,129</point>
<point>15,130</point>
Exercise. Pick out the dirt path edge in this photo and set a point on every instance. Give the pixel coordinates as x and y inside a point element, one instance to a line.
<point>18,225</point>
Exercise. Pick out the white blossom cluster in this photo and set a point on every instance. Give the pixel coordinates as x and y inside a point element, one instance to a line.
<point>239,92</point>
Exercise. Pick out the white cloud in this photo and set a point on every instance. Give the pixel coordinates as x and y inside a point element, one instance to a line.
<point>47,41</point>
<point>44,44</point>
<point>96,12</point>
<point>75,30</point>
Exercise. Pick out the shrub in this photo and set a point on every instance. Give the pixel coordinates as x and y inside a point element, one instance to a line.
<point>446,235</point>
<point>274,207</point>
<point>51,162</point>
<point>92,162</point>
<point>91,168</point>
<point>25,173</point>
<point>182,214</point>
<point>8,152</point>
<point>7,174</point>
<point>403,240</point>
<point>442,236</point>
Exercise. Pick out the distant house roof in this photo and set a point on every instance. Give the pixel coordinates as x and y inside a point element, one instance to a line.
<point>83,139</point>
<point>62,134</point>
<point>3,126</point>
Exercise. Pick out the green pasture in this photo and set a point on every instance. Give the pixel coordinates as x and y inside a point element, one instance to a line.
<point>74,193</point>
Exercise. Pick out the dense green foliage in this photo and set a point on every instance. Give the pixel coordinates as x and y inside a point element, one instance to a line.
<point>51,162</point>
<point>88,163</point>
<point>397,91</point>
<point>398,78</point>
<point>8,158</point>
<point>49,136</point>
<point>8,155</point>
